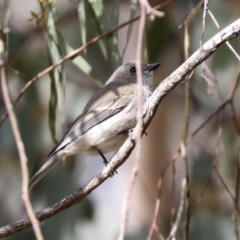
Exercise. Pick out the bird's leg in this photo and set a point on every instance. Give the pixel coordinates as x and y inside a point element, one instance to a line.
<point>105,161</point>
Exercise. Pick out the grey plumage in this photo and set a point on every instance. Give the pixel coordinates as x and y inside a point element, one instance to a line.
<point>104,123</point>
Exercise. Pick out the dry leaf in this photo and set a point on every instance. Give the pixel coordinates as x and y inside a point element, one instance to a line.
<point>210,79</point>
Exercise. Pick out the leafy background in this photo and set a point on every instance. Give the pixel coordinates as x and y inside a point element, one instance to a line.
<point>42,33</point>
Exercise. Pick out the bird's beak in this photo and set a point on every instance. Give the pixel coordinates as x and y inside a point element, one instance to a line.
<point>153,66</point>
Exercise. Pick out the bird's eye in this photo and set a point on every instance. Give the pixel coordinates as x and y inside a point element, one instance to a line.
<point>133,70</point>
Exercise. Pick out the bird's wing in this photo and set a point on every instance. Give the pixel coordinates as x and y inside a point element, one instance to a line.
<point>97,112</point>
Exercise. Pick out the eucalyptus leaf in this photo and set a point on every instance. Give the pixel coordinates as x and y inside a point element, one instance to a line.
<point>82,20</point>
<point>56,50</point>
<point>114,13</point>
<point>109,45</point>
<point>52,107</point>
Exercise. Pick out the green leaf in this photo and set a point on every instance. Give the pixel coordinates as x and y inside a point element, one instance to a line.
<point>82,21</point>
<point>56,50</point>
<point>114,12</point>
<point>64,48</point>
<point>56,76</point>
<point>33,14</point>
<point>52,107</point>
<point>109,46</point>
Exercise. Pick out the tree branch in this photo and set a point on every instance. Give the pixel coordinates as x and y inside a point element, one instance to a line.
<point>22,156</point>
<point>232,31</point>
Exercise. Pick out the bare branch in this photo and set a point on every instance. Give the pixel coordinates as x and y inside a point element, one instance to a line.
<point>134,173</point>
<point>204,20</point>
<point>22,155</point>
<point>156,210</point>
<point>154,12</point>
<point>180,212</point>
<point>219,28</point>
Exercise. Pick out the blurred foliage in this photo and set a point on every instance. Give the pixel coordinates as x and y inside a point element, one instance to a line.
<point>43,33</point>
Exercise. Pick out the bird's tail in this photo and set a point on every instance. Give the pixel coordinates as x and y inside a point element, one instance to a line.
<point>51,161</point>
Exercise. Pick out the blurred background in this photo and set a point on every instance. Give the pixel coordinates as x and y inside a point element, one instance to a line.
<point>44,31</point>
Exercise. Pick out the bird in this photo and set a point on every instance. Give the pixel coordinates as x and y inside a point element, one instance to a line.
<point>104,124</point>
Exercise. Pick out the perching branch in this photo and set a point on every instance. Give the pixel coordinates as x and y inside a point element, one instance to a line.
<point>230,32</point>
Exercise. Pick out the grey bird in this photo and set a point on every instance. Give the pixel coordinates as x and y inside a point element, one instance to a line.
<point>105,121</point>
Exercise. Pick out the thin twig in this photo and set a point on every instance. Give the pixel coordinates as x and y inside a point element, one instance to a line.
<point>235,87</point>
<point>204,20</point>
<point>22,47</point>
<point>214,167</point>
<point>173,190</point>
<point>219,28</point>
<point>180,211</point>
<point>145,4</point>
<point>156,210</point>
<point>235,213</point>
<point>22,156</point>
<point>126,207</point>
<point>199,200</point>
<point>140,90</point>
<point>183,145</point>
<point>134,173</point>
<point>237,179</point>
<point>219,134</point>
<point>198,129</point>
<point>224,184</point>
